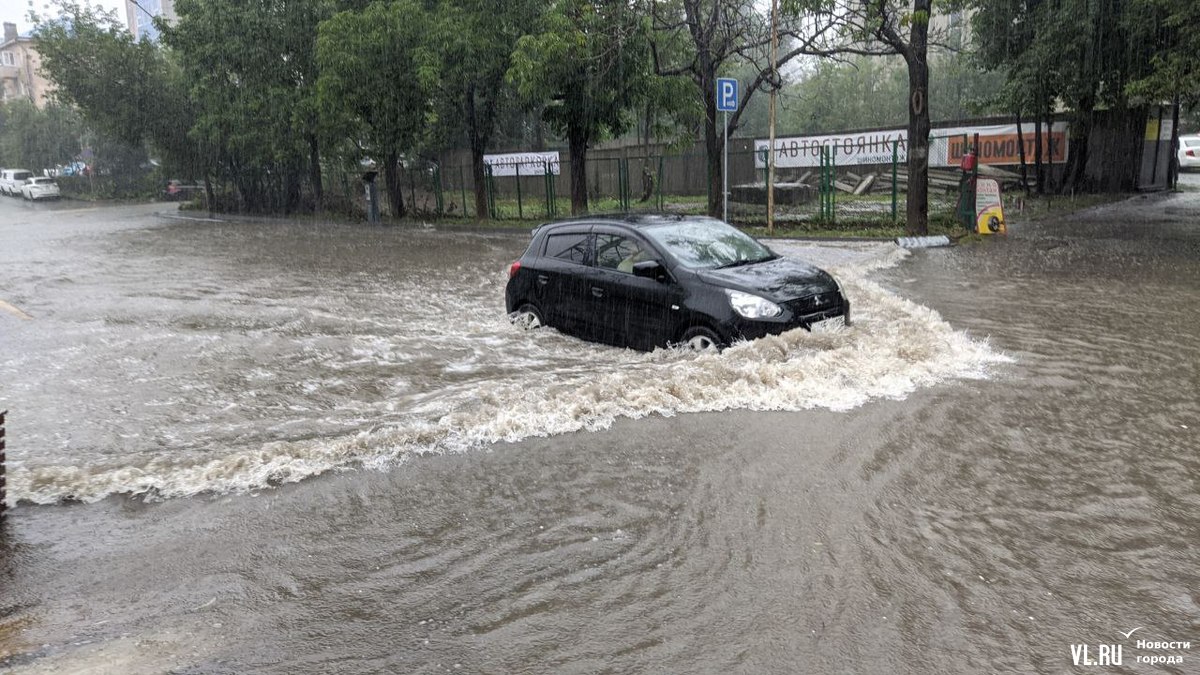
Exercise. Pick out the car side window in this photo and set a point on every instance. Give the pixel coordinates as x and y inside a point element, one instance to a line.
<point>617,252</point>
<point>571,247</point>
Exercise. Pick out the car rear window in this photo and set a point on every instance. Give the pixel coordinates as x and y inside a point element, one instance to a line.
<point>572,247</point>
<point>21,175</point>
<point>1191,142</point>
<point>42,181</point>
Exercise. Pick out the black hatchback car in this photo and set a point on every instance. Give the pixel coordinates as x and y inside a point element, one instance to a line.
<point>647,281</point>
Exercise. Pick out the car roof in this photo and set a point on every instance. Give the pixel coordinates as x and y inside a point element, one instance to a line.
<point>634,220</point>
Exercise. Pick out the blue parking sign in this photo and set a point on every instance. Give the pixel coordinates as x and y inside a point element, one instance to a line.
<point>727,94</point>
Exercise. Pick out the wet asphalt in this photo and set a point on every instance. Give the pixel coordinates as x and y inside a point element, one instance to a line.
<point>970,526</point>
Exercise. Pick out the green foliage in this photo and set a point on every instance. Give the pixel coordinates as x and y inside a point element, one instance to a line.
<point>1174,68</point>
<point>589,61</point>
<point>376,77</point>
<point>867,92</point>
<point>38,139</point>
<point>1086,53</point>
<point>250,67</point>
<point>125,90</point>
<point>588,65</point>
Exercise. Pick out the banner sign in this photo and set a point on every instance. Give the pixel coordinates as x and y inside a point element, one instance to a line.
<point>531,163</point>
<point>989,207</point>
<point>998,144</point>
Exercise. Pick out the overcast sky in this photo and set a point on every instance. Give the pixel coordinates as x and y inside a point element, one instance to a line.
<point>17,11</point>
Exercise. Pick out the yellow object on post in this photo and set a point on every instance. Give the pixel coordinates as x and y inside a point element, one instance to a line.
<point>989,208</point>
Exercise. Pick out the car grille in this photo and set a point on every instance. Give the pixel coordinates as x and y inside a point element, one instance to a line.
<point>821,302</point>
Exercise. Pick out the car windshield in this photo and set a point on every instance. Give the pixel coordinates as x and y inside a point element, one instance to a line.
<point>708,244</point>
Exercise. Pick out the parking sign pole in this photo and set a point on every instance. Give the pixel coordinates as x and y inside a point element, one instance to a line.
<point>725,172</point>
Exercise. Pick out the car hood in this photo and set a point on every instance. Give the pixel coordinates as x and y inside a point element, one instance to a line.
<point>779,280</point>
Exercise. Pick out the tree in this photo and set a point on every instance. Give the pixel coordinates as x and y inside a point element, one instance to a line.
<point>703,39</point>
<point>38,139</point>
<point>1088,57</point>
<point>1174,68</point>
<point>126,90</point>
<point>836,95</point>
<point>377,77</point>
<point>883,23</point>
<point>476,39</point>
<point>588,61</point>
<point>250,67</point>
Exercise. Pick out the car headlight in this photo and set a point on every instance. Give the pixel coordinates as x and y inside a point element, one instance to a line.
<point>752,306</point>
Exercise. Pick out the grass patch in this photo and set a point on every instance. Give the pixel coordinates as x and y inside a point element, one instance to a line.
<point>1038,207</point>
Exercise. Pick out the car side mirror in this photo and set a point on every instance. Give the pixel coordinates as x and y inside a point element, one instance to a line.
<point>650,269</point>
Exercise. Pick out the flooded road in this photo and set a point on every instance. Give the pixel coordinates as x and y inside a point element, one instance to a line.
<point>998,462</point>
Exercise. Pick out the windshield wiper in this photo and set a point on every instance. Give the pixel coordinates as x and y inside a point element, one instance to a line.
<point>739,263</point>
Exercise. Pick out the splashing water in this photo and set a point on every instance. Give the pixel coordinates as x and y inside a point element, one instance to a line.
<point>407,382</point>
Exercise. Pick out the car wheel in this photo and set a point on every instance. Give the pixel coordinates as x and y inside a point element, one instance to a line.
<point>700,339</point>
<point>528,317</point>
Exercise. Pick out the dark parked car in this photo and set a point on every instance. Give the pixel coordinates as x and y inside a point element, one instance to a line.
<point>647,281</point>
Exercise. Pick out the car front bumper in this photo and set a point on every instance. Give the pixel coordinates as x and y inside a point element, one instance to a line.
<point>739,328</point>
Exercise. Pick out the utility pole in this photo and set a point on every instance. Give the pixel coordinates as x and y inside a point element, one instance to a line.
<point>771,116</point>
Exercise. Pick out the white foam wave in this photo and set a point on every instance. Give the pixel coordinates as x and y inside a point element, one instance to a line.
<point>894,347</point>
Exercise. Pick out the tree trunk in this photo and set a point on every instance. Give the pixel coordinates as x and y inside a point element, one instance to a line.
<point>1021,153</point>
<point>1173,171</point>
<point>1051,184</point>
<point>391,182</point>
<point>917,211</point>
<point>1037,153</point>
<point>208,195</point>
<point>577,146</point>
<point>478,147</point>
<point>714,146</point>
<point>1075,173</point>
<point>314,171</point>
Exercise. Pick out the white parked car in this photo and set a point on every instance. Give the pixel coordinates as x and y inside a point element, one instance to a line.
<point>1189,152</point>
<point>11,180</point>
<point>40,187</point>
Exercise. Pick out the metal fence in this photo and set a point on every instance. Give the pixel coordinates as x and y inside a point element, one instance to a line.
<point>828,194</point>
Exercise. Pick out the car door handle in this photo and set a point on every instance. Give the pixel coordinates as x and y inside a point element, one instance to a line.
<point>543,279</point>
<point>597,292</point>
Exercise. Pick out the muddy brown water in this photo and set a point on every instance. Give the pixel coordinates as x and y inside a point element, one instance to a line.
<point>975,490</point>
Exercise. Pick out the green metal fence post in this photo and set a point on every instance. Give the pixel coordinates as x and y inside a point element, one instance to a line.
<point>462,185</point>
<point>620,186</point>
<point>659,184</point>
<point>520,206</point>
<point>833,185</point>
<point>708,183</point>
<point>437,184</point>
<point>412,191</point>
<point>828,183</point>
<point>628,190</point>
<point>823,182</point>
<point>491,193</point>
<point>895,190</point>
<point>546,186</point>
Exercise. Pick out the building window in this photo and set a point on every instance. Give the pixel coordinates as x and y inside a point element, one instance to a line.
<point>9,59</point>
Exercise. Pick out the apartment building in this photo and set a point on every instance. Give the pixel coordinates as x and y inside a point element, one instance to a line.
<point>141,15</point>
<point>19,64</point>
